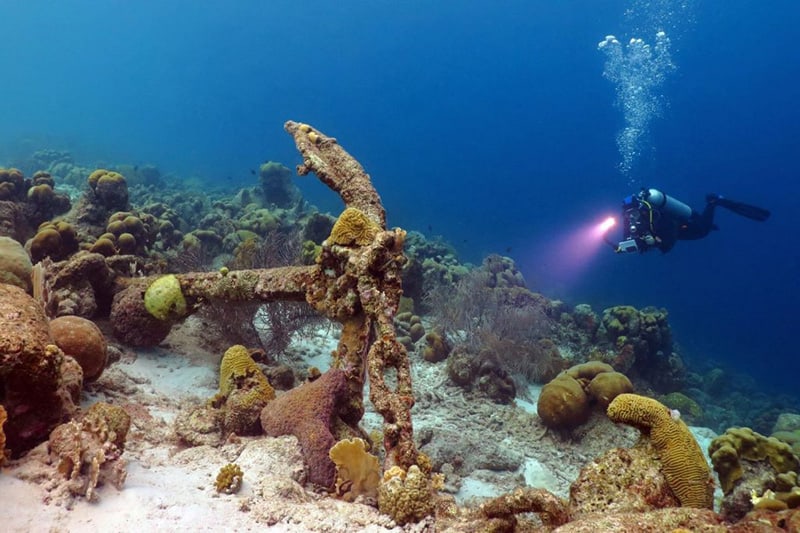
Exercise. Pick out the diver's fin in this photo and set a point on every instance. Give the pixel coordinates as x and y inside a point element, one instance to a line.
<point>745,210</point>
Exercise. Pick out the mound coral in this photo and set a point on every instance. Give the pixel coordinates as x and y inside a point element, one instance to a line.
<point>566,401</point>
<point>563,403</point>
<point>277,185</point>
<point>683,462</point>
<point>83,341</point>
<point>15,265</point>
<point>110,188</point>
<point>12,184</point>
<point>56,240</point>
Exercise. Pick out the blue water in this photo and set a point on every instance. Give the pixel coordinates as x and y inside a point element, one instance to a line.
<point>489,123</point>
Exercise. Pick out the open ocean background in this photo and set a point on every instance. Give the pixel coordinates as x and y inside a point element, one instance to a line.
<point>489,123</point>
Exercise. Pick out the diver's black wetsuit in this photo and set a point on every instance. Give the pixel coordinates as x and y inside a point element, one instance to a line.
<point>654,220</point>
<point>668,230</point>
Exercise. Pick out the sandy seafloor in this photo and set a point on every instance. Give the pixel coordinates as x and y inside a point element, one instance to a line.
<point>483,448</point>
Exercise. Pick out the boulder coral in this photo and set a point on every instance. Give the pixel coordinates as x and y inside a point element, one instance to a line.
<point>56,240</point>
<point>15,265</point>
<point>567,400</point>
<point>683,462</point>
<point>81,339</point>
<point>32,388</point>
<point>408,496</point>
<point>277,185</point>
<point>110,189</point>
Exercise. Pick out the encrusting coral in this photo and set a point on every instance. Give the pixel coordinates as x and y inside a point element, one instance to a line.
<point>408,496</point>
<point>683,462</point>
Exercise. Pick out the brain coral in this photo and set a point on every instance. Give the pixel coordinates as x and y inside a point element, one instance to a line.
<point>244,390</point>
<point>682,460</point>
<point>354,228</point>
<point>15,265</point>
<point>83,340</point>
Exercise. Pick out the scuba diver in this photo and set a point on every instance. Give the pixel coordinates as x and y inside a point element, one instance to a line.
<point>652,219</point>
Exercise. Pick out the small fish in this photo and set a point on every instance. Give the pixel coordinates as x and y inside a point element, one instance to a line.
<point>253,171</point>
<point>430,228</point>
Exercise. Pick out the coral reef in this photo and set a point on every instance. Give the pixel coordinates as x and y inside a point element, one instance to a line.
<point>83,341</point>
<point>357,286</point>
<point>89,451</point>
<point>683,462</point>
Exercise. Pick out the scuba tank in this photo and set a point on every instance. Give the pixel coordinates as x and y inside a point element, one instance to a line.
<point>666,204</point>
